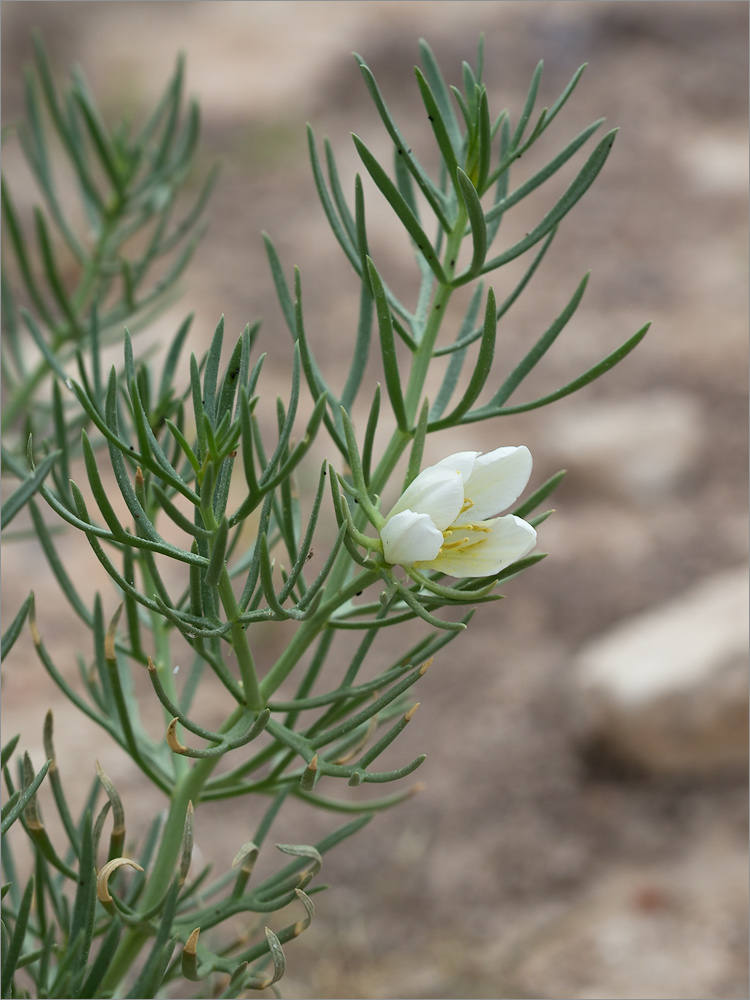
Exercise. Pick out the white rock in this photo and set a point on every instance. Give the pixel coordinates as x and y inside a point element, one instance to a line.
<point>668,689</point>
<point>716,163</point>
<point>639,447</point>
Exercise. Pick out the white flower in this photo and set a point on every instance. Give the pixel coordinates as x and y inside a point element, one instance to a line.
<point>444,519</point>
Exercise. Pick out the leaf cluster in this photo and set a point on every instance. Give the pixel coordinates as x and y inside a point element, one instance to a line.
<point>76,272</point>
<point>62,923</point>
<point>466,205</point>
<point>207,522</point>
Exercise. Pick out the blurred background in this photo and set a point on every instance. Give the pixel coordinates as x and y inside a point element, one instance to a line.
<point>582,831</point>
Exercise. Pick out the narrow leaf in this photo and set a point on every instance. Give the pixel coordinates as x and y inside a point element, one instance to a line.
<point>437,84</point>
<point>433,195</point>
<point>388,348</point>
<point>528,106</point>
<point>478,226</point>
<point>574,193</point>
<point>20,497</point>
<point>481,368</point>
<point>440,126</point>
<point>543,174</point>
<point>12,953</point>
<point>589,376</point>
<point>539,349</point>
<point>399,205</point>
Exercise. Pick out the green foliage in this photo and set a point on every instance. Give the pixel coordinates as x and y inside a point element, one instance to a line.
<point>164,460</point>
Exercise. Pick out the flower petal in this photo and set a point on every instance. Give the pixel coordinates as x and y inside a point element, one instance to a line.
<point>462,462</point>
<point>436,491</point>
<point>409,537</point>
<point>497,479</point>
<point>509,540</point>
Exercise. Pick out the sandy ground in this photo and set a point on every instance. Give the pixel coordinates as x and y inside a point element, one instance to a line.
<point>528,866</point>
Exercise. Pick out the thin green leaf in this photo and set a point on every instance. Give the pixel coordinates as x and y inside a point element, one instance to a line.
<point>388,348</point>
<point>55,564</point>
<point>532,502</point>
<point>316,382</point>
<point>100,493</point>
<point>361,350</point>
<point>419,609</point>
<point>484,139</point>
<point>216,564</point>
<point>102,143</point>
<point>441,94</point>
<point>543,174</point>
<point>35,148</point>
<point>458,353</point>
<point>399,205</point>
<point>53,276</point>
<point>417,447</point>
<point>26,797</point>
<point>540,348</point>
<point>82,919</point>
<point>45,349</point>
<point>528,106</point>
<point>583,181</point>
<point>562,99</point>
<point>21,496</point>
<point>170,362</point>
<point>67,131</point>
<point>337,192</point>
<point>478,227</point>
<point>56,784</point>
<point>13,230</point>
<point>12,953</point>
<point>211,372</point>
<point>285,431</point>
<point>151,976</point>
<point>440,126</point>
<point>583,380</point>
<point>10,746</point>
<point>191,217</point>
<point>481,369</point>
<point>98,968</point>
<point>434,196</point>
<point>369,439</point>
<point>341,232</point>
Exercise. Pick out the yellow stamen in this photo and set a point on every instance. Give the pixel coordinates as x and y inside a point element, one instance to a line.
<point>459,543</point>
<point>466,542</point>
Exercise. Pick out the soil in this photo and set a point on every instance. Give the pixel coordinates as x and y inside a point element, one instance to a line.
<point>529,865</point>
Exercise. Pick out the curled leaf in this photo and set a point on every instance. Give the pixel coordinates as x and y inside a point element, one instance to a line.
<point>104,875</point>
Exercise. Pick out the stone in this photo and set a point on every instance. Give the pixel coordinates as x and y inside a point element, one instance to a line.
<point>641,931</point>
<point>638,448</point>
<point>667,690</point>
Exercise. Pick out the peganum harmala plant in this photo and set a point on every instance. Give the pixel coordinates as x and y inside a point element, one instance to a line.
<point>166,459</point>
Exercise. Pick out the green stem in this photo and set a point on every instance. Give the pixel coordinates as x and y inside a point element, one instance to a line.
<point>186,790</point>
<point>423,357</point>
<point>253,696</point>
<point>93,268</point>
<point>337,587</point>
<point>163,661</point>
<point>309,630</point>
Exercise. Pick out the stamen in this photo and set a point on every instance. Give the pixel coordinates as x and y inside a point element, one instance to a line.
<point>459,543</point>
<point>466,542</point>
